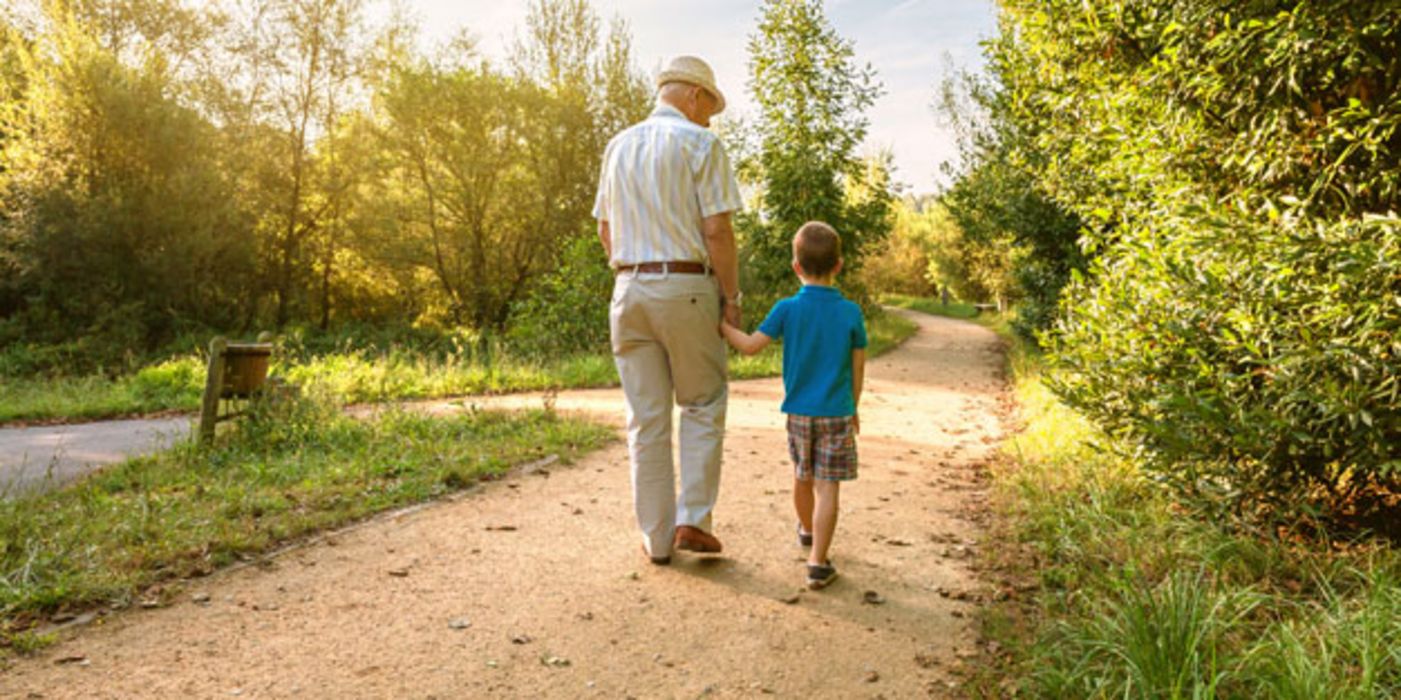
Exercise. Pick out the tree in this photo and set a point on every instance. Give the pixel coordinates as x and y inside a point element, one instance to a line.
<point>811,96</point>
<point>114,207</point>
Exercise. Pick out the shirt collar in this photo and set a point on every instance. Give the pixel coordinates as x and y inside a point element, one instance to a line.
<point>818,289</point>
<point>665,110</point>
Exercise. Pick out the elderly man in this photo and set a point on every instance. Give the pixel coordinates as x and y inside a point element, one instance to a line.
<point>665,195</point>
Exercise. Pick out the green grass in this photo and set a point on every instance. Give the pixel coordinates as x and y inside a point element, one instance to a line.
<point>354,376</point>
<point>1137,598</point>
<point>275,477</point>
<point>935,307</point>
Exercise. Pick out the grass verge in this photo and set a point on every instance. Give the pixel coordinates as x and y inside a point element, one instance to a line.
<point>1132,597</point>
<point>114,538</point>
<point>355,376</point>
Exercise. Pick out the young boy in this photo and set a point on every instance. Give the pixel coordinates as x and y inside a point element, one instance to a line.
<point>824,361</point>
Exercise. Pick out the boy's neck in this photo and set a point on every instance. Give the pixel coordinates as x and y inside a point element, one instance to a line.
<point>828,281</point>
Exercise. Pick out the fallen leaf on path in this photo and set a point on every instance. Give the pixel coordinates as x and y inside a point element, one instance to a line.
<point>791,599</point>
<point>872,598</point>
<point>501,528</point>
<point>521,639</point>
<point>897,543</point>
<point>555,661</point>
<point>400,573</point>
<point>872,677</point>
<point>460,623</point>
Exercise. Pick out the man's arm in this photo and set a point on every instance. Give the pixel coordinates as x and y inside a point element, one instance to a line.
<point>747,343</point>
<point>858,377</point>
<point>724,259</point>
<point>605,236</point>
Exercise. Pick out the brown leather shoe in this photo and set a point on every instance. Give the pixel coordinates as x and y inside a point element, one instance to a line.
<point>694,539</point>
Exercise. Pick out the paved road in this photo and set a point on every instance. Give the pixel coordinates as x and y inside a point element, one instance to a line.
<point>47,456</point>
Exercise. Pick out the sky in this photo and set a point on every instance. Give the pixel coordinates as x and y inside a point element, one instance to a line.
<point>910,44</point>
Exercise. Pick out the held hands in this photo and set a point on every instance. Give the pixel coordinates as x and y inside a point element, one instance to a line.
<point>731,313</point>
<point>856,423</point>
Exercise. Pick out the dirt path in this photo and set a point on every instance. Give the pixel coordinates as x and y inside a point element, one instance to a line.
<point>534,587</point>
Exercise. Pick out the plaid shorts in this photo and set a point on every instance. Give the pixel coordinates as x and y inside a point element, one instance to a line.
<point>822,447</point>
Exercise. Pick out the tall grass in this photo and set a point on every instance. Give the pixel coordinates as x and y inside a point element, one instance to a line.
<point>1137,598</point>
<point>351,374</point>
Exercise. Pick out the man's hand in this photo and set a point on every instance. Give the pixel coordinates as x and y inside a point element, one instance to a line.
<point>856,422</point>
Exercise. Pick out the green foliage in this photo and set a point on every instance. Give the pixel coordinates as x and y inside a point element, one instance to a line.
<point>1237,171</point>
<point>1134,600</point>
<point>113,207</point>
<point>812,98</point>
<point>168,171</point>
<point>567,313</point>
<point>1248,363</point>
<point>901,263</point>
<point>1009,242</point>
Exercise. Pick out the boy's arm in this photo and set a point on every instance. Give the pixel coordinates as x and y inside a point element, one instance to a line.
<point>858,377</point>
<point>747,343</point>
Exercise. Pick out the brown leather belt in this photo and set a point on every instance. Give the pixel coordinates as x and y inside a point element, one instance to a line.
<point>682,267</point>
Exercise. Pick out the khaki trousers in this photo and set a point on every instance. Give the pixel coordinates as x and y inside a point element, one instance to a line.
<point>666,343</point>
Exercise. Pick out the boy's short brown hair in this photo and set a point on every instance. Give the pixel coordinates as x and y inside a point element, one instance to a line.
<point>818,248</point>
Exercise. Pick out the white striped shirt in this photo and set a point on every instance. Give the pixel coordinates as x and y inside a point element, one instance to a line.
<point>659,178</point>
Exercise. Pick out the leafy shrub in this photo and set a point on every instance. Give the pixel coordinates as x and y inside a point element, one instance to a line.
<point>175,382</point>
<point>1237,174</point>
<point>567,314</point>
<point>1249,365</point>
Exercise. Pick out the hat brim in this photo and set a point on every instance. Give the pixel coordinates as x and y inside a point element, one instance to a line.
<point>677,77</point>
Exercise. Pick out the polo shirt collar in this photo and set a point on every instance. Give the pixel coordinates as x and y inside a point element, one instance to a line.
<point>818,289</point>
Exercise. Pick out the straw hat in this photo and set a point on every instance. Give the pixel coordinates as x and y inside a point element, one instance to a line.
<point>689,69</point>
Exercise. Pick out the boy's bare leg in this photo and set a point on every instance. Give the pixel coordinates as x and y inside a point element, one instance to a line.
<point>824,516</point>
<point>802,502</point>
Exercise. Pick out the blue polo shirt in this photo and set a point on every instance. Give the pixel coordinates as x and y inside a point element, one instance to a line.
<point>819,328</point>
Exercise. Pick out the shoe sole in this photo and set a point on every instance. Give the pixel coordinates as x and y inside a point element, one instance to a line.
<point>817,584</point>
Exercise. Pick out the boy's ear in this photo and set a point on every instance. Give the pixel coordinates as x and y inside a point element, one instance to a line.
<point>838,267</point>
<point>797,269</point>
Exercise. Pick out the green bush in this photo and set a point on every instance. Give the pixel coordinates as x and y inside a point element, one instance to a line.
<point>567,314</point>
<point>176,382</point>
<point>1236,170</point>
<point>1252,365</point>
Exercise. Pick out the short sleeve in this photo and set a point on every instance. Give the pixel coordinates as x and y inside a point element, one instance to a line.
<point>858,329</point>
<point>600,202</point>
<point>773,323</point>
<point>716,187</point>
